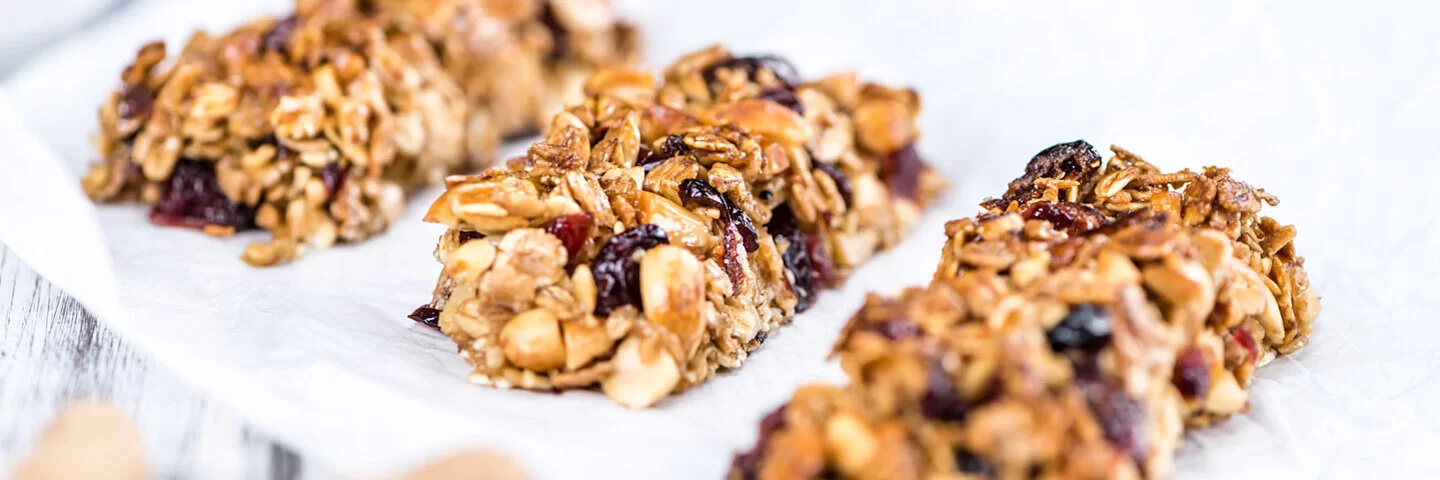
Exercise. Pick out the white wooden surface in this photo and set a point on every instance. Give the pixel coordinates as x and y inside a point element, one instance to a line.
<point>52,351</point>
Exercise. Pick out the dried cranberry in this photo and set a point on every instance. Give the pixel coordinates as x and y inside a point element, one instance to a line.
<point>785,97</point>
<point>1121,417</point>
<point>783,70</point>
<point>941,401</point>
<point>617,275</point>
<point>468,235</point>
<point>1192,373</point>
<point>821,266</point>
<point>1076,160</point>
<point>1086,328</point>
<point>842,182</point>
<point>572,230</point>
<point>191,197</point>
<point>279,35</point>
<point>1071,218</point>
<point>734,268</point>
<point>426,315</point>
<point>1247,342</point>
<point>333,175</point>
<point>901,171</point>
<point>136,101</point>
<point>559,36</point>
<point>966,461</point>
<point>695,192</point>
<point>895,329</point>
<point>747,465</point>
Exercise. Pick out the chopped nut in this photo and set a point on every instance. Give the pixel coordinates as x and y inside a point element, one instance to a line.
<point>643,375</point>
<point>672,286</point>
<point>532,340</point>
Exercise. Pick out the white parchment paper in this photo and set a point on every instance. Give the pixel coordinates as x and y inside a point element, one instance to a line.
<point>1332,107</point>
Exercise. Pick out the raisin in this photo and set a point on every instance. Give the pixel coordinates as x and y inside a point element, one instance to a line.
<point>1121,417</point>
<point>941,401</point>
<point>1067,161</point>
<point>761,336</point>
<point>468,235</point>
<point>136,101</point>
<point>699,193</point>
<point>333,176</point>
<point>785,97</point>
<point>783,70</point>
<point>747,464</point>
<point>617,275</point>
<point>648,159</point>
<point>672,146</point>
<point>966,461</point>
<point>901,171</point>
<point>559,36</point>
<point>796,257</point>
<point>1072,218</point>
<point>842,182</point>
<point>279,35</point>
<point>1192,373</point>
<point>426,315</point>
<point>1086,328</point>
<point>572,230</point>
<point>191,197</point>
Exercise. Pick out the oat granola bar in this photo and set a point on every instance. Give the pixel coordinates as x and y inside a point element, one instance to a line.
<point>518,61</point>
<point>315,126</point>
<point>1071,331</point>
<point>662,229</point>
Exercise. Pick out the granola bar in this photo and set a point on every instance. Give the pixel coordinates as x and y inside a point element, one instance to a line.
<point>1071,331</point>
<point>315,126</point>
<point>518,61</point>
<point>662,229</point>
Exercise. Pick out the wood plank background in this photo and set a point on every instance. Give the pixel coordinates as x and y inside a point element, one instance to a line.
<point>52,351</point>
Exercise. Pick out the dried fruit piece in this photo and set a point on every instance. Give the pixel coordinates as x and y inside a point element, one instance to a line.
<point>1086,328</point>
<point>192,198</point>
<point>1192,373</point>
<point>698,193</point>
<point>617,275</point>
<point>573,231</point>
<point>781,68</point>
<point>902,170</point>
<point>1069,217</point>
<point>426,315</point>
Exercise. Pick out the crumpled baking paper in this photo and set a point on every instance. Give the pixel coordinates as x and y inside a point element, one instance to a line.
<point>1331,106</point>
